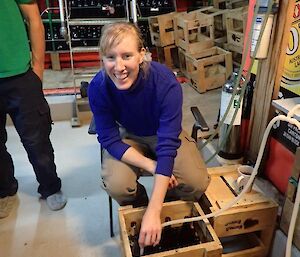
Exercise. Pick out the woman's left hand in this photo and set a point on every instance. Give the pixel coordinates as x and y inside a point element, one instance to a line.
<point>172,182</point>
<point>151,228</point>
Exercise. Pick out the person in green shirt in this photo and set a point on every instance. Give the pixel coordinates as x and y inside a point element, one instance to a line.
<point>21,97</point>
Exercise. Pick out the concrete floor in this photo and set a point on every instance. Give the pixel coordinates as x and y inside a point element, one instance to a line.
<point>81,229</point>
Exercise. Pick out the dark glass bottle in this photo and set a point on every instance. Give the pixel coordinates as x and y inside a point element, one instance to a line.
<point>167,237</point>
<point>134,240</point>
<point>187,235</point>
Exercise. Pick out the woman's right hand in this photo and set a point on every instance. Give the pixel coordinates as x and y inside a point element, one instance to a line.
<point>151,228</point>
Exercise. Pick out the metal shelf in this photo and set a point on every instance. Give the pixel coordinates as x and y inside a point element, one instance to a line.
<point>82,49</point>
<point>95,21</point>
<point>52,20</point>
<point>86,73</point>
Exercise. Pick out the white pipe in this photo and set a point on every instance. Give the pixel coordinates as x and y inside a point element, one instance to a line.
<point>63,29</point>
<point>61,10</point>
<point>236,199</point>
<point>133,11</point>
<point>289,119</point>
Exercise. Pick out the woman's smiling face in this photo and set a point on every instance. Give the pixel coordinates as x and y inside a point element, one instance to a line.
<point>122,62</point>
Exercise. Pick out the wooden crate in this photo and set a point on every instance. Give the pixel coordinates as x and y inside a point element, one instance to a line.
<point>209,69</point>
<point>182,56</point>
<point>194,31</point>
<point>219,16</point>
<point>168,55</point>
<point>211,246</point>
<point>236,54</point>
<point>162,29</point>
<point>220,4</point>
<point>232,4</point>
<point>236,21</point>
<point>254,215</point>
<point>83,110</point>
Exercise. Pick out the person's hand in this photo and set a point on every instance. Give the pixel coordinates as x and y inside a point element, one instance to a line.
<point>172,182</point>
<point>38,71</point>
<point>151,228</point>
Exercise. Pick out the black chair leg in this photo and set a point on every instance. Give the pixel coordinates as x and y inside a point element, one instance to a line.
<point>92,131</point>
<point>111,217</point>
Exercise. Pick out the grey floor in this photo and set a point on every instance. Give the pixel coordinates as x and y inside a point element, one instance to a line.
<point>81,229</point>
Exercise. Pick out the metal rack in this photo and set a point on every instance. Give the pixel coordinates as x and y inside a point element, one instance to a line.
<point>74,24</point>
<point>75,27</point>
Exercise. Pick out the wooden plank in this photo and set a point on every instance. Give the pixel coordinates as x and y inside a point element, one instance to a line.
<point>267,237</point>
<point>222,170</point>
<point>123,235</point>
<point>258,251</point>
<point>55,61</point>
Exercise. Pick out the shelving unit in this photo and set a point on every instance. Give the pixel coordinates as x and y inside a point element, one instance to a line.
<point>147,8</point>
<point>84,20</point>
<point>55,42</point>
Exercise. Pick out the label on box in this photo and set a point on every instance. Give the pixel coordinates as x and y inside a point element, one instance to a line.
<point>287,134</point>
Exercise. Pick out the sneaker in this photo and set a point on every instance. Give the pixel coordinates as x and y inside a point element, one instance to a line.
<point>6,205</point>
<point>56,201</point>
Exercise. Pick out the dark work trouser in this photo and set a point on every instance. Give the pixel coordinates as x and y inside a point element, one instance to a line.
<point>22,98</point>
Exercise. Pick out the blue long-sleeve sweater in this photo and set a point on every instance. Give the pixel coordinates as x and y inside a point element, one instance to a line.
<point>151,106</point>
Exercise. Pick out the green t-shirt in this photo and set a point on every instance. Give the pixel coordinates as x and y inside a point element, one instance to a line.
<point>14,46</point>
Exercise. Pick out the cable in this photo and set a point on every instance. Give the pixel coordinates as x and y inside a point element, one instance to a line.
<point>289,118</point>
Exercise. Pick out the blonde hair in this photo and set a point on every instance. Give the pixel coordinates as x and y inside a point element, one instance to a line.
<point>112,34</point>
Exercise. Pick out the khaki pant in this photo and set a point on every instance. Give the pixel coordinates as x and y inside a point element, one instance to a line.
<point>120,179</point>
